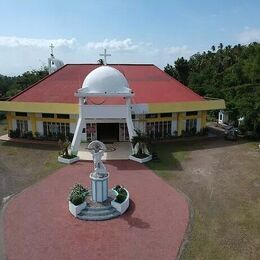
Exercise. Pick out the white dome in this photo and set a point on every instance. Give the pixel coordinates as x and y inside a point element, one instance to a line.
<point>105,80</point>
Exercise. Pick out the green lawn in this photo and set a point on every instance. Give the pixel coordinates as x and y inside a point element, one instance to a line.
<point>222,182</point>
<point>21,165</point>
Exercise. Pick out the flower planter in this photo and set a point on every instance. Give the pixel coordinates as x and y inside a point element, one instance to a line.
<point>121,207</point>
<point>141,160</point>
<point>75,210</point>
<point>68,161</point>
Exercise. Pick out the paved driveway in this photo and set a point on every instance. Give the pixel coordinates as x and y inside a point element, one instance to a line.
<point>38,224</point>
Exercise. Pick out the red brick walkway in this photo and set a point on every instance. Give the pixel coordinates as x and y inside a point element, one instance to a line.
<point>38,224</point>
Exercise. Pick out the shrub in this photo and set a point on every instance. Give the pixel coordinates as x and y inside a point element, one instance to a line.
<point>28,135</point>
<point>120,198</point>
<point>122,194</point>
<point>78,194</point>
<point>117,188</point>
<point>14,133</point>
<point>38,136</point>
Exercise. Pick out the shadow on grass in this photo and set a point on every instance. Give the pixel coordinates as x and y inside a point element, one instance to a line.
<point>132,221</point>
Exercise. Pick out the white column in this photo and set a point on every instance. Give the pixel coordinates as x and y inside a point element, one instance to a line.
<point>129,121</point>
<point>80,124</point>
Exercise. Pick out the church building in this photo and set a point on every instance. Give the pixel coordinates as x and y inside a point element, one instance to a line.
<point>107,102</point>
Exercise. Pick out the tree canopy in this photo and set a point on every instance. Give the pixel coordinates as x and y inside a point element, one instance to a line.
<point>9,86</point>
<point>232,73</point>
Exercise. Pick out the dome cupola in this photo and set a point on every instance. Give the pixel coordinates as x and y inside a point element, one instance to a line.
<point>105,80</point>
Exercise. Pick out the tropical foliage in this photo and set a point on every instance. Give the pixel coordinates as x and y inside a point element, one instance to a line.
<point>232,73</point>
<point>11,85</point>
<point>140,142</point>
<point>78,194</point>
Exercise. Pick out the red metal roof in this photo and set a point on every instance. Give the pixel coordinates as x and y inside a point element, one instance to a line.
<point>149,83</point>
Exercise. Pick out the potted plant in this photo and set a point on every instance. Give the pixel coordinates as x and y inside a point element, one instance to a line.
<point>140,151</point>
<point>121,201</point>
<point>64,155</point>
<point>77,199</point>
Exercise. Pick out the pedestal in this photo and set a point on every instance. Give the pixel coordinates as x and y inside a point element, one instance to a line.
<point>99,188</point>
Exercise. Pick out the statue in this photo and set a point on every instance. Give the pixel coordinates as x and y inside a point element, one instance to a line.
<point>97,149</point>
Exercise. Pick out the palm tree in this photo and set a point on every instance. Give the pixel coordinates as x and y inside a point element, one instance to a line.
<point>100,61</point>
<point>140,142</point>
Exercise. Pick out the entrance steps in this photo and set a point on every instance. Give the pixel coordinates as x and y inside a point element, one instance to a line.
<point>97,214</point>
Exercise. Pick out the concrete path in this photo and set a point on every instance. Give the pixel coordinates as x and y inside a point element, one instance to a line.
<point>38,224</point>
<point>115,151</point>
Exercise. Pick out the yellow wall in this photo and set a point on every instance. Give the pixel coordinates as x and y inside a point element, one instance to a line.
<point>178,108</point>
<point>34,107</point>
<point>187,106</point>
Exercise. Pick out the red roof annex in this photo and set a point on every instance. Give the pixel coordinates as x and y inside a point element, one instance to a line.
<point>148,82</point>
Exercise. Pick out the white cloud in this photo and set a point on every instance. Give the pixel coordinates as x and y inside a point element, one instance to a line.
<point>179,51</point>
<point>117,45</point>
<point>21,54</point>
<point>14,41</point>
<point>249,35</point>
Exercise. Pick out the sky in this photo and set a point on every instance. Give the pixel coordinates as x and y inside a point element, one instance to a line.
<point>132,31</point>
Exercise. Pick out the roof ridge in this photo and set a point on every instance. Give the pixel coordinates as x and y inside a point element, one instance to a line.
<point>128,64</point>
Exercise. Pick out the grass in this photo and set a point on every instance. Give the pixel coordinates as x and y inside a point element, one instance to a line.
<point>222,181</point>
<point>22,165</point>
<point>170,160</point>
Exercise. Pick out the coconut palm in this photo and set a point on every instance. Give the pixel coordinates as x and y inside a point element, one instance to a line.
<point>140,142</point>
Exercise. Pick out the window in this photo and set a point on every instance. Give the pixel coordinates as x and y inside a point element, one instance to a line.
<point>133,116</point>
<point>22,125</point>
<point>20,114</point>
<point>151,115</point>
<point>63,116</point>
<point>166,114</point>
<point>52,128</point>
<point>192,113</point>
<point>45,115</point>
<point>220,117</point>
<point>159,129</point>
<point>191,125</point>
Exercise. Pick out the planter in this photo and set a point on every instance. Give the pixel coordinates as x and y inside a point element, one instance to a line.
<point>75,210</point>
<point>121,207</point>
<point>68,161</point>
<point>141,160</point>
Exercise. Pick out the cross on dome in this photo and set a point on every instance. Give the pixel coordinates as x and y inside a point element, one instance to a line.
<point>105,55</point>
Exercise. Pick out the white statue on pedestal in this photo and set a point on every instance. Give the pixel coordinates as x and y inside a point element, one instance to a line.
<point>97,149</point>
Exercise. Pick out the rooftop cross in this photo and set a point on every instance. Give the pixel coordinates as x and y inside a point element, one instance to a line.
<point>105,56</point>
<point>52,47</point>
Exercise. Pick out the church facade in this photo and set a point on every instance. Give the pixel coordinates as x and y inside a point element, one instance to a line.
<point>110,102</point>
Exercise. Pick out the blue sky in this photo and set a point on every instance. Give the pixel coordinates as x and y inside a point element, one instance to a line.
<point>144,31</point>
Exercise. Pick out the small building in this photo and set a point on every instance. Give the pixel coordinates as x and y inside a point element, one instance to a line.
<point>223,117</point>
<point>102,102</point>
